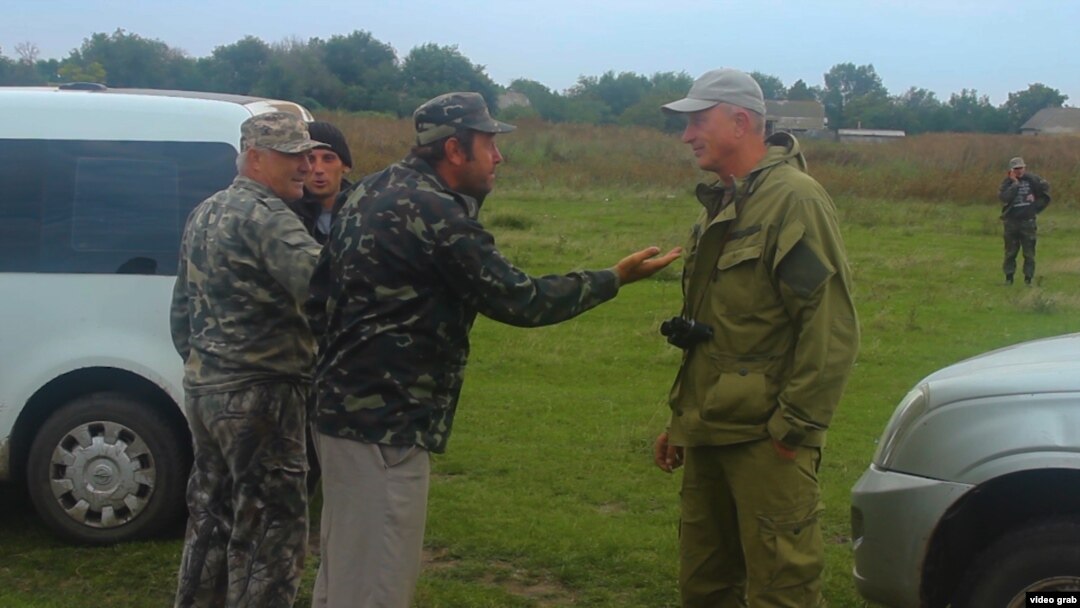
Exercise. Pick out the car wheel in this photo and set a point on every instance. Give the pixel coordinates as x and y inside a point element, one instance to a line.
<point>1037,557</point>
<point>106,468</point>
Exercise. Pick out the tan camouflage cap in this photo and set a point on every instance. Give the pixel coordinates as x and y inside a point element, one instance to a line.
<point>282,131</point>
<point>725,85</point>
<point>446,114</point>
<point>1016,163</point>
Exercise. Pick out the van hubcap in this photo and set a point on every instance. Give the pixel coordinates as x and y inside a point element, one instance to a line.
<point>102,474</point>
<point>1057,583</point>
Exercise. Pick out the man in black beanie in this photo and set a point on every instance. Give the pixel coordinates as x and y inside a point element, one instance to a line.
<point>329,164</point>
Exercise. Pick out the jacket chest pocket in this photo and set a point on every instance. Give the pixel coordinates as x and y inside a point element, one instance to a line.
<point>741,282</point>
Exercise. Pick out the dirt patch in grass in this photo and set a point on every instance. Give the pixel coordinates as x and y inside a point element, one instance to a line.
<point>539,587</point>
<point>1065,266</point>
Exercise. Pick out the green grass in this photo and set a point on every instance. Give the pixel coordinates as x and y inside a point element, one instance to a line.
<point>547,495</point>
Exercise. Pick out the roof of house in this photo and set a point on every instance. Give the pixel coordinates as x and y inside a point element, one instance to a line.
<point>794,109</point>
<point>870,133</point>
<point>1054,119</point>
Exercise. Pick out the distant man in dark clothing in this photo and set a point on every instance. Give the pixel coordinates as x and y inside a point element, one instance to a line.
<point>406,269</point>
<point>330,162</point>
<point>1023,196</point>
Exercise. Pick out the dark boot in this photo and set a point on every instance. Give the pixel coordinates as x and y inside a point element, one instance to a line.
<point>1027,281</point>
<point>1008,279</point>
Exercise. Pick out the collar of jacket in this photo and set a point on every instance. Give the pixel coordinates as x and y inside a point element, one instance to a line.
<point>307,208</point>
<point>310,208</point>
<point>781,148</point>
<point>261,190</point>
<point>428,173</point>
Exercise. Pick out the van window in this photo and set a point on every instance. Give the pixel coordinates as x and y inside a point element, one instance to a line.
<point>102,206</point>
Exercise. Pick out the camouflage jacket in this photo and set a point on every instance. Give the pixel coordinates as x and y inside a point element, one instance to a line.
<point>245,263</point>
<point>769,273</point>
<point>393,298</point>
<point>1013,196</point>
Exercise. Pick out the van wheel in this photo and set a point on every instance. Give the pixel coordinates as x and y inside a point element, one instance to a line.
<point>1037,557</point>
<point>106,468</point>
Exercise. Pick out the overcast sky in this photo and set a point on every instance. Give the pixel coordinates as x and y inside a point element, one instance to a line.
<point>993,46</point>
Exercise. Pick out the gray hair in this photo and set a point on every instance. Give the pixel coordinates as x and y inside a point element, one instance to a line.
<point>757,121</point>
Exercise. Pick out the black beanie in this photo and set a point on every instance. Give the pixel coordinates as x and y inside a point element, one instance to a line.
<point>333,138</point>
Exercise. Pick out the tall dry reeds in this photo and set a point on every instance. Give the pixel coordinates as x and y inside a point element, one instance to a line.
<point>571,160</point>
<point>947,167</point>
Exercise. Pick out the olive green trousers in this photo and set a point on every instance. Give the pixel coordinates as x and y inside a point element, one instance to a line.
<point>750,533</point>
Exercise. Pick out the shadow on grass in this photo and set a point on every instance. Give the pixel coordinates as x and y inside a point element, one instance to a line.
<point>18,520</point>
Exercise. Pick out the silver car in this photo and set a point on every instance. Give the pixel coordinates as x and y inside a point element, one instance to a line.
<point>973,496</point>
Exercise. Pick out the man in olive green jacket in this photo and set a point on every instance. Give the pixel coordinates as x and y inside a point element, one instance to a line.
<point>767,273</point>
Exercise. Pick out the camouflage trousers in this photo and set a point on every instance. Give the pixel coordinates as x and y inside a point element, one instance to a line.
<point>750,533</point>
<point>1019,234</point>
<point>247,531</point>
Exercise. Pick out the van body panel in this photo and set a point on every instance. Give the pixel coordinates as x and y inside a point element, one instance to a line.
<point>117,321</point>
<point>96,185</point>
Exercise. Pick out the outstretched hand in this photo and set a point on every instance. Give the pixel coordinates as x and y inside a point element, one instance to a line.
<point>644,264</point>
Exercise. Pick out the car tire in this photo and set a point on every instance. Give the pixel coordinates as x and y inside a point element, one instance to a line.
<point>1043,556</point>
<point>107,468</point>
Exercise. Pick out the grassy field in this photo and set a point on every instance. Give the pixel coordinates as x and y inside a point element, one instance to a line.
<point>547,496</point>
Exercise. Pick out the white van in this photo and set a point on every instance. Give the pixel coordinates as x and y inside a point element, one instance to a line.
<point>95,187</point>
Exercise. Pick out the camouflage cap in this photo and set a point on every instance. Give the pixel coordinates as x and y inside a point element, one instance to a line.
<point>1016,163</point>
<point>725,85</point>
<point>282,131</point>
<point>446,114</point>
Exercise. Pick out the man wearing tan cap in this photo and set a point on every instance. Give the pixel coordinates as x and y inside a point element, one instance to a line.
<point>245,262</point>
<point>1023,195</point>
<point>770,335</point>
<point>406,269</point>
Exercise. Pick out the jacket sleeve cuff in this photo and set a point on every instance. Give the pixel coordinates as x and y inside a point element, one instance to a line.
<point>615,274</point>
<point>783,431</point>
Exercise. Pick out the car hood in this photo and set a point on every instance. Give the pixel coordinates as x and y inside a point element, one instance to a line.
<point>1049,365</point>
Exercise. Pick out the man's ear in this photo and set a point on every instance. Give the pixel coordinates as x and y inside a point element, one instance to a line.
<point>742,121</point>
<point>455,151</point>
<point>253,160</point>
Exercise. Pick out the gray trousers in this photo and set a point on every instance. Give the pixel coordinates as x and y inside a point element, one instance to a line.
<point>372,527</point>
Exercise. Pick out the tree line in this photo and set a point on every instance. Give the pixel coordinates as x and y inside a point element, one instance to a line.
<point>357,72</point>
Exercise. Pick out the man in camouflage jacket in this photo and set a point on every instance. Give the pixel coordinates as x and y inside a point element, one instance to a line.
<point>407,267</point>
<point>766,270</point>
<point>1023,195</point>
<point>245,263</point>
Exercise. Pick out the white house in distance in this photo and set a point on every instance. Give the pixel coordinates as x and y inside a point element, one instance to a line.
<point>794,116</point>
<point>868,135</point>
<point>1053,121</point>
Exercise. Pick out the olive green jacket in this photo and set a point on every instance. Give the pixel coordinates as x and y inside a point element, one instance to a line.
<point>776,289</point>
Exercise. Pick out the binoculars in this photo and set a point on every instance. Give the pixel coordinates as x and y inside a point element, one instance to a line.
<point>685,333</point>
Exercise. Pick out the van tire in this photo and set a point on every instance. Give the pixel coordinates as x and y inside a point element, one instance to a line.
<point>107,468</point>
<point>1043,556</point>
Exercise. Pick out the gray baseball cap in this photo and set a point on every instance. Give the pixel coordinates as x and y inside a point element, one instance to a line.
<point>444,115</point>
<point>282,131</point>
<point>725,85</point>
<point>1016,163</point>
